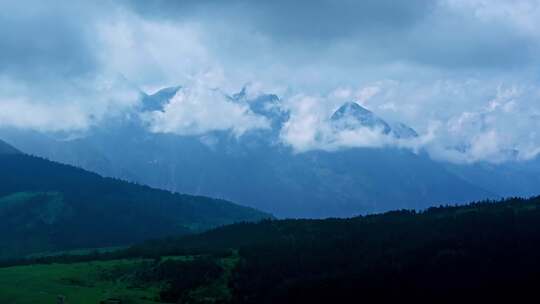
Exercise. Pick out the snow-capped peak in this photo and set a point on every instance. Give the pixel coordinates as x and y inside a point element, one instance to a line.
<point>351,116</point>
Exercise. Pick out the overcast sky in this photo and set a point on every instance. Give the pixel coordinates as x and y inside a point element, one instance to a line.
<point>464,73</point>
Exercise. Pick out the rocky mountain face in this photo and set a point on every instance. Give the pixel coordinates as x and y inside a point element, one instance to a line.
<point>351,116</point>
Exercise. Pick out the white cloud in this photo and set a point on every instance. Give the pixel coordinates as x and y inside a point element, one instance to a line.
<point>524,15</point>
<point>152,53</point>
<point>25,114</point>
<point>366,93</point>
<point>198,109</point>
<point>310,127</point>
<point>78,105</point>
<point>456,122</point>
<point>503,129</point>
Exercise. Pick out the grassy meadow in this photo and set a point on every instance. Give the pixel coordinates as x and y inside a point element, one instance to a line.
<point>80,283</point>
<point>134,281</point>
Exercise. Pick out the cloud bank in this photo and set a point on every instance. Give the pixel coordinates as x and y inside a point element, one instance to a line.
<point>464,74</point>
<point>499,125</point>
<point>197,110</point>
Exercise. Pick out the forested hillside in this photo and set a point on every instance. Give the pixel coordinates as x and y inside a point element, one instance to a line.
<point>46,206</point>
<point>481,252</point>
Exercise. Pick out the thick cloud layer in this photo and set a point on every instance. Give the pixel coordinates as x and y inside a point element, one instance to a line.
<point>198,109</point>
<point>501,126</point>
<point>463,73</point>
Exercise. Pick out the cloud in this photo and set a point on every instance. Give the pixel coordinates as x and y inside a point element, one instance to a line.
<point>499,125</point>
<point>461,72</point>
<point>445,34</point>
<point>198,110</point>
<point>53,106</point>
<point>153,54</point>
<point>25,114</point>
<point>51,76</point>
<point>310,127</point>
<point>504,129</point>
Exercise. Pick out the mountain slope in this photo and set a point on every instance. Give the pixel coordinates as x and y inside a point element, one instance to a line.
<point>257,170</point>
<point>158,100</point>
<point>271,178</point>
<point>6,149</point>
<point>514,178</point>
<point>48,206</point>
<point>351,115</point>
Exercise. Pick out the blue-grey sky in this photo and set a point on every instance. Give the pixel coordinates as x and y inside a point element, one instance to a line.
<point>462,72</point>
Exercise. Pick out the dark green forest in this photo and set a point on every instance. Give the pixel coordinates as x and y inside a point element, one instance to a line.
<point>46,206</point>
<point>482,251</point>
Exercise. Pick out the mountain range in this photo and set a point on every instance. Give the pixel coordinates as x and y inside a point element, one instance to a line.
<point>6,149</point>
<point>258,171</point>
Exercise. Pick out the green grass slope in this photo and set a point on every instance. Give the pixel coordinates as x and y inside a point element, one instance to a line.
<point>134,281</point>
<point>82,283</point>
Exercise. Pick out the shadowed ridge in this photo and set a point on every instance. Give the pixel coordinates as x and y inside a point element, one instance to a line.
<point>6,149</point>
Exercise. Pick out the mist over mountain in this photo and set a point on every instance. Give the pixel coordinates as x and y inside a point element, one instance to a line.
<point>351,116</point>
<point>257,169</point>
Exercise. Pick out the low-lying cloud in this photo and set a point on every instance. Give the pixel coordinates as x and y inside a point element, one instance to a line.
<point>197,110</point>
<point>499,124</point>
